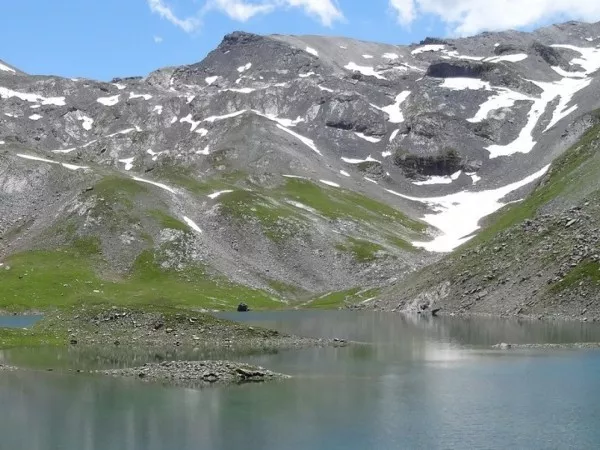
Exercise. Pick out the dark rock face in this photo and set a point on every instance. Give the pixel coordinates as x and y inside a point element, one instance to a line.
<point>456,69</point>
<point>242,307</point>
<point>443,164</point>
<point>551,55</point>
<point>351,112</point>
<point>507,49</point>
<point>433,41</point>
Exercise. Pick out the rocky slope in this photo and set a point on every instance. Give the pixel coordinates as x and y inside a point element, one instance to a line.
<point>279,167</point>
<point>539,257</point>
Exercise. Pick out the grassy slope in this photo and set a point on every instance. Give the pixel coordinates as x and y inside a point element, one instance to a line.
<point>508,259</point>
<point>274,209</point>
<point>77,272</point>
<point>43,279</point>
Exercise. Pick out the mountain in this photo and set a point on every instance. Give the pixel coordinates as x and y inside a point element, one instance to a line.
<point>538,258</point>
<point>279,168</point>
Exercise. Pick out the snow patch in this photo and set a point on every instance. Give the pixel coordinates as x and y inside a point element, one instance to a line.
<point>312,51</point>
<point>154,154</point>
<point>242,69</point>
<point>455,54</point>
<point>87,122</point>
<point>205,151</point>
<point>49,161</point>
<point>154,183</point>
<point>128,163</point>
<point>438,179</point>
<point>213,119</point>
<point>370,180</point>
<point>428,48</point>
<point>188,119</point>
<point>306,141</point>
<point>217,194</point>
<point>505,98</point>
<point>323,88</point>
<point>202,132</point>
<point>391,56</point>
<point>211,80</point>
<point>386,154</point>
<point>306,75</point>
<point>295,176</point>
<point>330,183</point>
<point>192,224</point>
<point>367,56</point>
<point>158,109</point>
<point>359,161</point>
<point>119,86</point>
<point>564,91</point>
<point>65,151</point>
<point>372,139</point>
<point>246,90</point>
<point>32,98</point>
<point>133,96</point>
<point>460,84</point>
<point>125,131</point>
<point>507,58</point>
<point>108,101</point>
<point>394,110</point>
<point>302,206</point>
<point>457,215</point>
<point>365,70</point>
<point>474,177</point>
<point>344,173</point>
<point>7,69</point>
<point>394,134</point>
<point>35,117</point>
<point>589,60</point>
<point>283,122</point>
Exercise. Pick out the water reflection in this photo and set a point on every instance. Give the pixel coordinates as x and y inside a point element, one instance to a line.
<point>417,384</point>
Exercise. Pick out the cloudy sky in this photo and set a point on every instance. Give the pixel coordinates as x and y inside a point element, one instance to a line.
<point>108,38</point>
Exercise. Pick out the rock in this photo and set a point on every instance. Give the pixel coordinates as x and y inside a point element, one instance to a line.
<point>198,373</point>
<point>242,307</point>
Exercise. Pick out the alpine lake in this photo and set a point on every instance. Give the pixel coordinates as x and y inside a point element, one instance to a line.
<point>409,382</point>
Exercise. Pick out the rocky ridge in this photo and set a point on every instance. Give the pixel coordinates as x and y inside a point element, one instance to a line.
<point>278,162</point>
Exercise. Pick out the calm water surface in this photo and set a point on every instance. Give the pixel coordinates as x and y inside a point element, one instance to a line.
<point>415,384</point>
<point>18,321</point>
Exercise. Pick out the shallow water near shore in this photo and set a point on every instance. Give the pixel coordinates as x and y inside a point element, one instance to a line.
<point>414,383</point>
<point>19,321</point>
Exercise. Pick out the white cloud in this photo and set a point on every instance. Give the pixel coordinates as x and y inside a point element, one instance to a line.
<point>241,10</point>
<point>188,24</point>
<point>325,11</point>
<point>472,16</point>
<point>405,9</point>
<point>158,39</point>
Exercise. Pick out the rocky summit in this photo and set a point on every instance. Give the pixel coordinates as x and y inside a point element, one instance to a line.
<point>298,169</point>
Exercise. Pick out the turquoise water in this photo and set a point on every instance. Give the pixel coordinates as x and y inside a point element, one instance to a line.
<point>18,321</point>
<point>430,384</point>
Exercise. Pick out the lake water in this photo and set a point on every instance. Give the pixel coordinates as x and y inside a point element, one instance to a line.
<point>18,321</point>
<point>414,384</point>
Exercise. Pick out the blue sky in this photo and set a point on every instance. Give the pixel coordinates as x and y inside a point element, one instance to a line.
<point>110,38</point>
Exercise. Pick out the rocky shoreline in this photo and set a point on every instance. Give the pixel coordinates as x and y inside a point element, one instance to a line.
<point>565,346</point>
<point>153,327</point>
<point>197,373</point>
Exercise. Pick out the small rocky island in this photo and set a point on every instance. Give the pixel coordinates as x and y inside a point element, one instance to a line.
<point>198,373</point>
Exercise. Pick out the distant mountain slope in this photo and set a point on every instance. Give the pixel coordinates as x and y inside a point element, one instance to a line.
<point>286,167</point>
<point>537,257</point>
